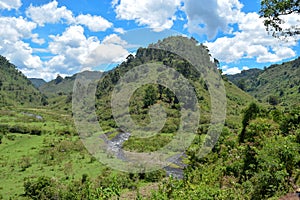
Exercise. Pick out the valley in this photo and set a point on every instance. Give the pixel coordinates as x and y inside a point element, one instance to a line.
<point>256,156</point>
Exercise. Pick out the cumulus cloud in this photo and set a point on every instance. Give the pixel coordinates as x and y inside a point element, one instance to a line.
<point>10,4</point>
<point>114,39</point>
<point>49,13</point>
<point>232,70</point>
<point>251,41</point>
<point>74,51</point>
<point>52,13</point>
<point>203,17</point>
<point>210,16</point>
<point>13,30</point>
<point>36,39</point>
<point>43,73</point>
<point>94,23</point>
<point>158,15</point>
<point>206,16</point>
<point>20,53</point>
<point>119,30</point>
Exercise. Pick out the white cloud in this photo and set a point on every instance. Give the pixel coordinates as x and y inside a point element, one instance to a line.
<point>94,23</point>
<point>44,73</point>
<point>157,14</point>
<point>13,29</point>
<point>114,39</point>
<point>232,70</point>
<point>106,54</point>
<point>37,40</point>
<point>20,53</point>
<point>119,30</point>
<point>49,13</point>
<point>246,68</point>
<point>204,17</point>
<point>70,49</point>
<point>74,51</point>
<point>210,16</point>
<point>279,54</point>
<point>251,41</point>
<point>10,4</point>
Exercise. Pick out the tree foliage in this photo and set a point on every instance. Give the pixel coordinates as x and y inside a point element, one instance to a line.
<point>273,12</point>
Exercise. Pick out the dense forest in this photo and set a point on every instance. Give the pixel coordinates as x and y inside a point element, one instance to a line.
<point>256,156</point>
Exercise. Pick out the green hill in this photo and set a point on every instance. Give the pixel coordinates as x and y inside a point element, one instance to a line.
<point>15,88</point>
<point>277,84</point>
<point>149,94</point>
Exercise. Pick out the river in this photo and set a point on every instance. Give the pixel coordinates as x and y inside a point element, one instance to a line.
<point>115,146</point>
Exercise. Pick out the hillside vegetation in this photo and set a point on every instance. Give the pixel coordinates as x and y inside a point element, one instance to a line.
<point>151,94</point>
<point>277,84</point>
<point>256,157</point>
<point>16,89</point>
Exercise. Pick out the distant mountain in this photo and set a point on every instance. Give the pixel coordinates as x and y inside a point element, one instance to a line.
<point>16,89</point>
<point>37,82</point>
<point>62,86</point>
<point>240,79</point>
<point>277,84</point>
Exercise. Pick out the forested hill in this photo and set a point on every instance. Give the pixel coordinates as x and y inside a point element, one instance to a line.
<point>16,89</point>
<point>150,94</point>
<point>277,84</point>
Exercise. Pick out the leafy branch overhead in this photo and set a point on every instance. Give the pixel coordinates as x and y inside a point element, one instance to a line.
<point>273,12</point>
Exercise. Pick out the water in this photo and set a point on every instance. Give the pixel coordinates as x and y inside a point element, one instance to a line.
<point>115,146</point>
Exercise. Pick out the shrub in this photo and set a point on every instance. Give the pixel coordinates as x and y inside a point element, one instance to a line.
<point>38,188</point>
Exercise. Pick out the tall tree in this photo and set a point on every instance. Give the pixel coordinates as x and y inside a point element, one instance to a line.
<point>274,10</point>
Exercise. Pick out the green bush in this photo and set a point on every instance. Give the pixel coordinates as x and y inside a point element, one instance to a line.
<point>40,188</point>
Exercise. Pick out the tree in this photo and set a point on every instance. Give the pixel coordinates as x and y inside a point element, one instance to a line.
<point>273,100</point>
<point>273,12</point>
<point>150,96</point>
<point>250,113</point>
<point>242,84</point>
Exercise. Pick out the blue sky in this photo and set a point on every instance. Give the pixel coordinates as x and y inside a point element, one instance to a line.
<point>45,38</point>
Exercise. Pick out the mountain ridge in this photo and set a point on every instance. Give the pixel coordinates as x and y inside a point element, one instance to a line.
<point>276,84</point>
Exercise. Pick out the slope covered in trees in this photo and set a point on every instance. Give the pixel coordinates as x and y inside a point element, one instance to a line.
<point>277,84</point>
<point>15,88</point>
<point>150,94</point>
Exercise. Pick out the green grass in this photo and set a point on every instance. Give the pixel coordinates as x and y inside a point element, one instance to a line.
<point>57,153</point>
<point>21,158</point>
<point>25,155</point>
